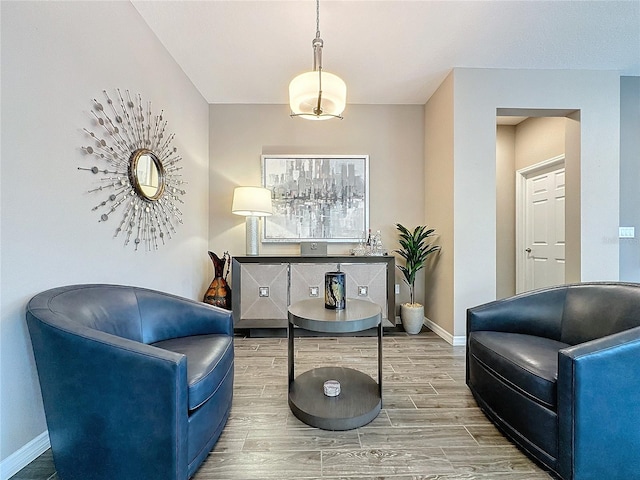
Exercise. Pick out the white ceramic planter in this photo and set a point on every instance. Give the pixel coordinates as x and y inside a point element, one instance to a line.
<point>412,316</point>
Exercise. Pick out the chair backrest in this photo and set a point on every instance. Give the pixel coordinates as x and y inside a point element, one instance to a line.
<point>109,308</point>
<point>595,310</point>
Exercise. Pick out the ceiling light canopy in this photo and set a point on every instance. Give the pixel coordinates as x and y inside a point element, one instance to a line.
<point>317,95</point>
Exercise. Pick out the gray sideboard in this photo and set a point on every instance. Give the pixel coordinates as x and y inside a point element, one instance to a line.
<point>263,287</point>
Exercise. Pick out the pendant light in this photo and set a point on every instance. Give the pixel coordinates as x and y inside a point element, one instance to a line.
<point>317,95</point>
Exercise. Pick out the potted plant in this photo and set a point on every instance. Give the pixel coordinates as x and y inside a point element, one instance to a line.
<point>415,250</point>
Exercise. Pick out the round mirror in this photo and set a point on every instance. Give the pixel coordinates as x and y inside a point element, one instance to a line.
<point>147,174</point>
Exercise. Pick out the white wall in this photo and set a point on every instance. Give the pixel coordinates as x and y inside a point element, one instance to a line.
<point>56,57</point>
<point>392,136</point>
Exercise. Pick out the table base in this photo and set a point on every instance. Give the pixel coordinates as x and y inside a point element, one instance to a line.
<point>359,401</point>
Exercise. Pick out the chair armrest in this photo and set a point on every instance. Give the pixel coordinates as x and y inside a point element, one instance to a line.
<point>124,400</point>
<point>535,313</point>
<point>166,316</point>
<point>599,407</point>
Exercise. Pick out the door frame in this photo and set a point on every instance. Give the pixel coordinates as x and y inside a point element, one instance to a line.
<point>522,176</point>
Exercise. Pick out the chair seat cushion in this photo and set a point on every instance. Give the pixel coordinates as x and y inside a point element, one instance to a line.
<point>528,363</point>
<point>209,358</point>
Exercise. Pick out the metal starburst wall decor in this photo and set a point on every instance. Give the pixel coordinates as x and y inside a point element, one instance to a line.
<point>139,173</point>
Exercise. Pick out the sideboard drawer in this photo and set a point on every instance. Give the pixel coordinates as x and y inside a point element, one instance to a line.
<point>263,292</point>
<point>307,280</point>
<point>367,281</point>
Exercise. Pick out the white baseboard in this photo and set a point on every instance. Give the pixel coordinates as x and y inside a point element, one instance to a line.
<point>456,341</point>
<point>24,456</point>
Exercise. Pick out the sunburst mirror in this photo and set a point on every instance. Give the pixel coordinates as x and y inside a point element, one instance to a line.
<point>139,170</point>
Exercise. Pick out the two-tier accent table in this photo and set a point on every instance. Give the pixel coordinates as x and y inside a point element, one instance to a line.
<point>360,399</point>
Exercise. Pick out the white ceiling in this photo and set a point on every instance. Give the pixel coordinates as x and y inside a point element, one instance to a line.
<point>387,51</point>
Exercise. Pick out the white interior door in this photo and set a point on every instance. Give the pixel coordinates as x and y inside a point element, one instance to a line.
<point>541,246</point>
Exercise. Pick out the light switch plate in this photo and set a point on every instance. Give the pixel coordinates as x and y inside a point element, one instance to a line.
<point>314,291</point>
<point>263,291</point>
<point>627,232</point>
<point>363,290</point>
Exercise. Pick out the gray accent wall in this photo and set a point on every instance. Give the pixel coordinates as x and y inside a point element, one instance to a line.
<point>630,176</point>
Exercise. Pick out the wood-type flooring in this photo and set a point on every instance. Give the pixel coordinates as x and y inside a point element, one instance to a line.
<point>430,427</point>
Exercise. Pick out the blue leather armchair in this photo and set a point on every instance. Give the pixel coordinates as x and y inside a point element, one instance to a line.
<point>136,384</point>
<point>558,371</point>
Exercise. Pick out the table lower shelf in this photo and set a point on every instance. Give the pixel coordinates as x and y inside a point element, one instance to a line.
<point>359,401</point>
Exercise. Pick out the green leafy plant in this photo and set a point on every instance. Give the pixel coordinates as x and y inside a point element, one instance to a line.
<point>415,250</point>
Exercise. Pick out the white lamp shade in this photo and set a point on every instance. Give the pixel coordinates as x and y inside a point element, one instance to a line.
<point>252,201</point>
<point>303,95</point>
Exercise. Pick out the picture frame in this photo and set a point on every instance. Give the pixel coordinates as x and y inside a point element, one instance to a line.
<point>316,198</point>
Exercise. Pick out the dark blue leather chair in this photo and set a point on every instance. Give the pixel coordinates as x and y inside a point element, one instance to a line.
<point>136,384</point>
<point>558,371</point>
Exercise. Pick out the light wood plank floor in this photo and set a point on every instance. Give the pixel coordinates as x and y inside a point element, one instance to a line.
<point>430,428</point>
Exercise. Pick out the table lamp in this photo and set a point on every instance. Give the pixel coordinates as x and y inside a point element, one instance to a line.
<point>252,202</point>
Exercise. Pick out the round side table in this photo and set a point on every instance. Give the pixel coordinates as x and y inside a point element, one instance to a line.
<point>360,398</point>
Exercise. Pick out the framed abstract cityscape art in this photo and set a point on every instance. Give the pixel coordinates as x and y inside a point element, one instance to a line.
<point>316,197</point>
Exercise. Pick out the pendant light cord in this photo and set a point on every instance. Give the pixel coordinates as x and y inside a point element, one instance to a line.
<point>317,18</point>
<point>317,54</point>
